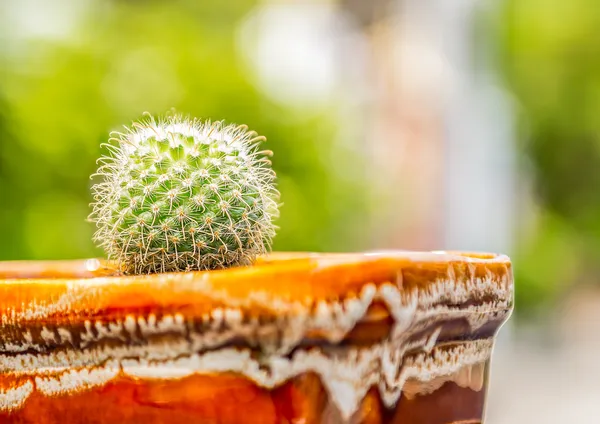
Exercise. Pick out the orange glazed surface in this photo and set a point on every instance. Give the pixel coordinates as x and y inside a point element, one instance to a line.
<point>275,285</point>
<point>387,337</point>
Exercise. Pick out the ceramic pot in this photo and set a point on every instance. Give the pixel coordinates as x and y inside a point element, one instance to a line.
<point>391,337</point>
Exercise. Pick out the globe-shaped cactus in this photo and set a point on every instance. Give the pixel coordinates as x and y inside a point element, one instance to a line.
<point>181,194</point>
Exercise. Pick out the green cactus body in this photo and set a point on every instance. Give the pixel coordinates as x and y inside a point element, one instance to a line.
<point>180,194</point>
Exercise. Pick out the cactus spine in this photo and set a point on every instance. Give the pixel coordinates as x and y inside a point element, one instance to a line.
<point>181,194</point>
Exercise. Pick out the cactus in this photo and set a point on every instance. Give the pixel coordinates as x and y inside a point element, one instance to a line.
<point>180,194</point>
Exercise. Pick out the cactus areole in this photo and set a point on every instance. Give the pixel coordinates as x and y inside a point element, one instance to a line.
<point>179,194</point>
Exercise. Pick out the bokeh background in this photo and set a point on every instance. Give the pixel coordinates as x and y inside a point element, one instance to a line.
<point>463,124</point>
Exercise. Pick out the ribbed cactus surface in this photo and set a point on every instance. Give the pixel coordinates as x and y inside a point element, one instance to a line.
<point>182,194</point>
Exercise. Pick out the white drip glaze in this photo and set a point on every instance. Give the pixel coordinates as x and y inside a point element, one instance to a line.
<point>468,376</point>
<point>15,396</point>
<point>76,380</point>
<point>347,373</point>
<point>333,320</point>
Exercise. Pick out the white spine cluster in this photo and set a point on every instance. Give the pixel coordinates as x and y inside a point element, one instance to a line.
<point>180,194</point>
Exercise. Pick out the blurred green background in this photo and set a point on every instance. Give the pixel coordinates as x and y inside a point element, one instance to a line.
<point>550,59</point>
<point>61,96</point>
<point>74,71</point>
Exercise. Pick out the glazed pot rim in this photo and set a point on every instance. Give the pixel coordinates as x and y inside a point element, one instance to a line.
<point>96,267</point>
<point>281,301</point>
<point>276,286</point>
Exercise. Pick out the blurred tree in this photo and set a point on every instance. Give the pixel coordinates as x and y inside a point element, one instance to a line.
<point>63,96</point>
<point>551,59</point>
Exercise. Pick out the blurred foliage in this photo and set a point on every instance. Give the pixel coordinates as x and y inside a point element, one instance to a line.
<point>551,58</point>
<point>59,98</point>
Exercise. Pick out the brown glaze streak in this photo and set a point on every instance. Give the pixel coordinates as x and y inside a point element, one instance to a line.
<point>370,330</point>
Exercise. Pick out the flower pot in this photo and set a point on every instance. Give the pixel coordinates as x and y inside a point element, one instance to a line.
<point>392,337</point>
